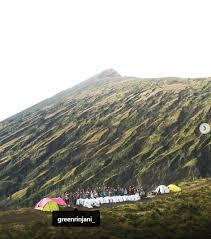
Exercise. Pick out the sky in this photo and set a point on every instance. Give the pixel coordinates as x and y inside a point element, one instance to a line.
<point>49,46</point>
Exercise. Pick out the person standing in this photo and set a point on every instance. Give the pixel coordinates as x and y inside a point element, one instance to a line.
<point>142,192</point>
<point>67,198</point>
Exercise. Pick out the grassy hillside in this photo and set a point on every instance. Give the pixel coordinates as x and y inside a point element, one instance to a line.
<point>107,130</point>
<point>182,215</point>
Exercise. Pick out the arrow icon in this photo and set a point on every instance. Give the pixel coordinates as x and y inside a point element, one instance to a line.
<point>204,128</point>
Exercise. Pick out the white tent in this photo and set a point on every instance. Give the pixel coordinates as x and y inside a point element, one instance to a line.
<point>162,189</point>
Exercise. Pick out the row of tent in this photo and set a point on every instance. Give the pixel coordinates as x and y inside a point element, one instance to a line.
<point>52,204</point>
<point>167,189</point>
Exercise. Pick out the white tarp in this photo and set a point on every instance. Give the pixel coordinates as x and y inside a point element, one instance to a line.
<point>96,202</point>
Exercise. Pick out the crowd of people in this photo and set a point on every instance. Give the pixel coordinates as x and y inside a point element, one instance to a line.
<point>104,191</point>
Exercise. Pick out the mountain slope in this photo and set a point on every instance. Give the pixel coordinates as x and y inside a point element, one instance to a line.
<point>107,130</point>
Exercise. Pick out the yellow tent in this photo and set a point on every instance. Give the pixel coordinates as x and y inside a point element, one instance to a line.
<point>48,205</point>
<point>174,188</point>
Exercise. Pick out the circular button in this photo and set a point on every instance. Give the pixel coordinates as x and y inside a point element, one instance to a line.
<point>204,128</point>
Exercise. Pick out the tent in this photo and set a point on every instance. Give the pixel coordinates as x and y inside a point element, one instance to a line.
<point>59,201</point>
<point>162,189</point>
<point>47,204</point>
<point>174,188</point>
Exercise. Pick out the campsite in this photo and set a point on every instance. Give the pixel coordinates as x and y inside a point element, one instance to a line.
<point>95,198</point>
<point>187,213</point>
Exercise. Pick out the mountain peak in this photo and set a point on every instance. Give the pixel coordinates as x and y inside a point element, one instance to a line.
<point>108,73</point>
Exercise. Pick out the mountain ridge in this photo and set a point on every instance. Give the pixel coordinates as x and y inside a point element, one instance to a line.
<point>109,74</point>
<point>105,74</point>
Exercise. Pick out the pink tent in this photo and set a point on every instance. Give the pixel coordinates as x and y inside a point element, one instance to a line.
<point>59,201</point>
<point>43,202</point>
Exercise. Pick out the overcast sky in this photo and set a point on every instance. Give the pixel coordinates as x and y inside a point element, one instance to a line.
<point>48,46</point>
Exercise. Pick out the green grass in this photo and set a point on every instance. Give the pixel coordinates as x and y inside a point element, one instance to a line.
<point>19,194</point>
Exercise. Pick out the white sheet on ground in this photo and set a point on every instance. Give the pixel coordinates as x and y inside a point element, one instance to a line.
<point>96,202</point>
